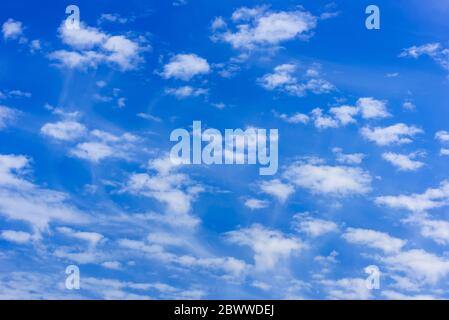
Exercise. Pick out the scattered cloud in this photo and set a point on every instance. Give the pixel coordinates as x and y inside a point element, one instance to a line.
<point>402,161</point>
<point>340,181</point>
<point>256,204</point>
<point>23,200</point>
<point>373,239</point>
<point>12,29</point>
<point>347,289</point>
<point>348,158</point>
<point>372,108</point>
<point>91,47</point>
<point>408,105</point>
<point>294,118</point>
<point>16,236</point>
<point>418,202</point>
<point>442,136</point>
<point>148,116</point>
<point>419,265</point>
<point>270,247</point>
<point>185,67</point>
<point>64,130</point>
<point>434,50</point>
<point>166,185</point>
<point>313,227</point>
<point>186,92</point>
<point>260,28</point>
<point>396,134</point>
<point>281,191</point>
<point>7,116</point>
<point>283,79</point>
<point>113,18</point>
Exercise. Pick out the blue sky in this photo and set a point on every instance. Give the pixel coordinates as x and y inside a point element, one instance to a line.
<point>85,123</point>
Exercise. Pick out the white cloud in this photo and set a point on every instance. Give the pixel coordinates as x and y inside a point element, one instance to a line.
<point>402,161</point>
<point>404,283</point>
<point>434,50</point>
<point>64,130</point>
<point>282,76</point>
<point>232,267</point>
<point>256,204</point>
<point>392,75</point>
<point>331,11</point>
<point>416,51</point>
<point>35,45</point>
<point>372,108</point>
<point>185,67</point>
<point>176,190</point>
<point>347,289</point>
<point>101,145</point>
<point>337,181</point>
<point>408,105</point>
<point>442,136</point>
<point>113,265</point>
<point>84,37</point>
<point>16,236</point>
<point>277,189</point>
<point>444,152</point>
<point>345,158</point>
<point>92,151</point>
<point>76,60</point>
<point>148,116</point>
<point>165,189</point>
<point>294,118</point>
<point>113,17</point>
<point>218,23</point>
<point>91,47</point>
<point>122,52</point>
<point>419,265</point>
<point>393,295</point>
<point>111,289</point>
<point>12,29</point>
<point>313,227</point>
<point>7,116</point>
<point>344,114</point>
<point>93,238</point>
<point>284,80</point>
<point>269,246</point>
<point>260,28</point>
<point>430,199</point>
<point>19,94</point>
<point>396,134</point>
<point>374,239</point>
<point>261,285</point>
<point>179,3</point>
<point>33,286</point>
<point>437,230</point>
<point>245,13</point>
<point>22,200</point>
<point>185,92</point>
<point>323,122</point>
<point>121,102</point>
<point>165,238</point>
<point>368,108</point>
<point>326,263</point>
